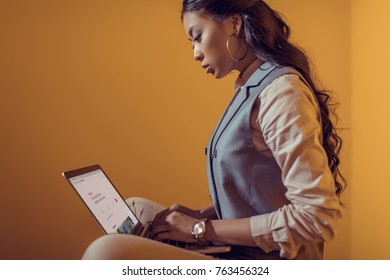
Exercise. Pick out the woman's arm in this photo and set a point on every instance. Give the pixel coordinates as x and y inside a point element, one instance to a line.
<point>178,226</point>
<point>208,212</point>
<point>289,121</point>
<point>237,232</point>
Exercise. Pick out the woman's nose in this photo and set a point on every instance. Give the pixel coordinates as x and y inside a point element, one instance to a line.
<point>198,55</point>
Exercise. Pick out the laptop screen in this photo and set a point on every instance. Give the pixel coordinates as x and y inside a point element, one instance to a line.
<point>103,200</point>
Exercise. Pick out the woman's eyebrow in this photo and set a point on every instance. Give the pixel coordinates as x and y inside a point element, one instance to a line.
<point>190,31</point>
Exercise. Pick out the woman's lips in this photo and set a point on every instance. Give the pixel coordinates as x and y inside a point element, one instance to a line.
<point>209,70</point>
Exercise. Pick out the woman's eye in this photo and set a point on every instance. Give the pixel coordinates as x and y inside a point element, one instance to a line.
<point>197,38</point>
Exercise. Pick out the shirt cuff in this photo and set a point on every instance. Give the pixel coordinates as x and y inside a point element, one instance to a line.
<point>262,234</point>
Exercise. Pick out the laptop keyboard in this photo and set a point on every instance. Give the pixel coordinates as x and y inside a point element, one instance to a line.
<point>175,243</point>
<point>147,230</point>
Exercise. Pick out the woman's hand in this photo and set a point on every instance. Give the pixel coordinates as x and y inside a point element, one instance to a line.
<point>177,221</point>
<point>187,211</point>
<point>174,226</point>
<point>160,217</point>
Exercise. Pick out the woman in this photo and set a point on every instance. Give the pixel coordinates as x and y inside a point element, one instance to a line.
<point>272,159</point>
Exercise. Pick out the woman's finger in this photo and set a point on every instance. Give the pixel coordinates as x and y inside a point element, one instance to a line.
<point>163,236</point>
<point>185,210</point>
<point>160,217</point>
<point>175,207</point>
<point>159,229</point>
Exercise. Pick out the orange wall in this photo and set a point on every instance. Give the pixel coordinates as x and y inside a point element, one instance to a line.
<point>114,82</point>
<point>370,130</point>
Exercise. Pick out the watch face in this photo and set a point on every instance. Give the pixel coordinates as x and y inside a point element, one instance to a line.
<point>199,228</point>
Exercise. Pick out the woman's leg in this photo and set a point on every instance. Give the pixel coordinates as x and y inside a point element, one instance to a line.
<point>131,247</point>
<point>145,210</point>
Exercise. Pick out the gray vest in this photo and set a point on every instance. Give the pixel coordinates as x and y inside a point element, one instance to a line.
<point>243,182</point>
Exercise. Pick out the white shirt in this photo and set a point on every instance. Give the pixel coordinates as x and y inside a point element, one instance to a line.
<point>286,125</point>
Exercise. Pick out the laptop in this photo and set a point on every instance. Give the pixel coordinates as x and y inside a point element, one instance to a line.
<point>112,212</point>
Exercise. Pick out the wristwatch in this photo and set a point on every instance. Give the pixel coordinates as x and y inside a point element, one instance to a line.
<point>199,230</point>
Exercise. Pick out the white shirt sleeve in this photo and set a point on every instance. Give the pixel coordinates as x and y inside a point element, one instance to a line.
<point>289,122</point>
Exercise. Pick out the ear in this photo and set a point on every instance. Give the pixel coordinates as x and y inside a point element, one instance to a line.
<point>236,21</point>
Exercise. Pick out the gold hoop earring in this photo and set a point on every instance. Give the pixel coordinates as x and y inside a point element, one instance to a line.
<point>228,48</point>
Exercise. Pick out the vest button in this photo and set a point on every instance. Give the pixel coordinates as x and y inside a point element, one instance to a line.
<point>215,153</point>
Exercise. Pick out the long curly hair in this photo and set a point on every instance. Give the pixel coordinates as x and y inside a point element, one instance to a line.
<point>265,30</point>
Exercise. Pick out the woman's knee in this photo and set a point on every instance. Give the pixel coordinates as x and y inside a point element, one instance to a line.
<point>108,247</point>
<point>130,247</point>
<point>144,209</point>
<point>135,200</point>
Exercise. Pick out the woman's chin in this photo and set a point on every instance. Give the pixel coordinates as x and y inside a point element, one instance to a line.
<point>218,75</point>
